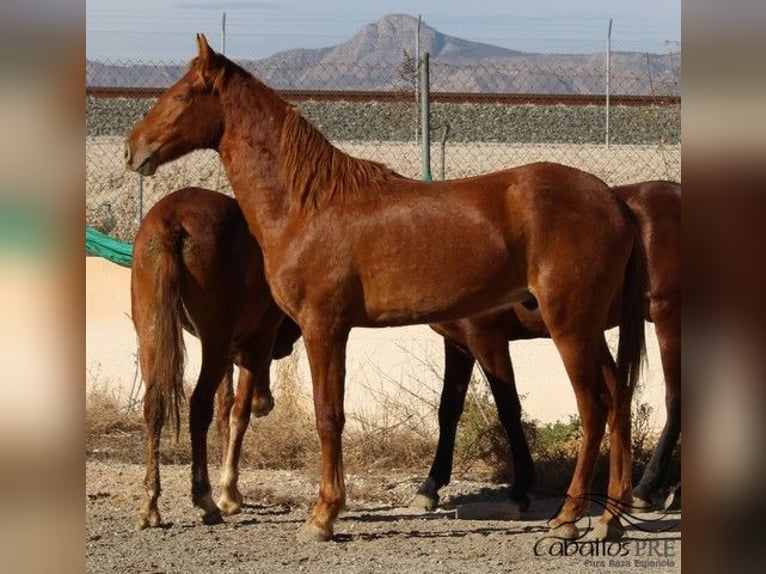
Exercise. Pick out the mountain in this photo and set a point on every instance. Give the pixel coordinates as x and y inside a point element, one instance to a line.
<point>384,41</point>
<point>377,58</point>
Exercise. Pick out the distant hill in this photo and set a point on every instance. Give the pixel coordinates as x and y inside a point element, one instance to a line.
<point>375,59</point>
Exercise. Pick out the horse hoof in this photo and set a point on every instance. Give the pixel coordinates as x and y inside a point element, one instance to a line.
<point>262,408</point>
<point>567,531</point>
<point>641,504</point>
<point>149,521</point>
<point>673,500</point>
<point>311,533</point>
<point>424,502</point>
<point>212,517</point>
<point>609,531</point>
<point>229,507</point>
<point>522,501</point>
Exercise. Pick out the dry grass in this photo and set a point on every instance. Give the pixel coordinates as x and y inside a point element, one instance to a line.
<point>400,438</point>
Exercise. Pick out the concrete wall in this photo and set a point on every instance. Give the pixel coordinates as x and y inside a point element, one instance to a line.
<point>384,366</point>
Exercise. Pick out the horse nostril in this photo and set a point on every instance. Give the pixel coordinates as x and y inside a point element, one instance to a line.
<point>127,153</point>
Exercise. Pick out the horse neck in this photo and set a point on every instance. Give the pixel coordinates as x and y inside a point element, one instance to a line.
<point>249,152</point>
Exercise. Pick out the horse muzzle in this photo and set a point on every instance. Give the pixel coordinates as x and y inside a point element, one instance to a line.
<point>141,160</point>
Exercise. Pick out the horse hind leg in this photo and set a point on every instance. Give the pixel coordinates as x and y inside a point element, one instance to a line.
<point>231,499</point>
<point>149,514</point>
<point>494,358</point>
<point>667,324</point>
<point>458,366</point>
<point>619,494</point>
<point>253,396</point>
<point>581,361</point>
<point>225,401</point>
<point>214,364</point>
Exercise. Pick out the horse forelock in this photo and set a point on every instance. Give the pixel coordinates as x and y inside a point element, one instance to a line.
<point>317,172</point>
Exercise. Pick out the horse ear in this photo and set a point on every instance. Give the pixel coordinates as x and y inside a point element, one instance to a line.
<point>205,51</point>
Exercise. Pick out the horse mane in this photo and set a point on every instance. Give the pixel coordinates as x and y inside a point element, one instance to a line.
<point>312,168</point>
<point>319,173</point>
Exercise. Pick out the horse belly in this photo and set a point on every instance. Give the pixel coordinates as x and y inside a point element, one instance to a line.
<point>443,280</point>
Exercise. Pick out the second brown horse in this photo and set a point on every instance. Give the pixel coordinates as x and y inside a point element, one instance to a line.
<point>657,208</point>
<point>195,266</point>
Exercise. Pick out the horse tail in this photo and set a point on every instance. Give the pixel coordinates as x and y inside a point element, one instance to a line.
<point>631,350</point>
<point>167,334</point>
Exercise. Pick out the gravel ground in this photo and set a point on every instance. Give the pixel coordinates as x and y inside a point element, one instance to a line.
<point>393,121</point>
<point>379,533</point>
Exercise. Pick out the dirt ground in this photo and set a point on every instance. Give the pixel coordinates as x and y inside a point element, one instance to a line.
<point>378,533</point>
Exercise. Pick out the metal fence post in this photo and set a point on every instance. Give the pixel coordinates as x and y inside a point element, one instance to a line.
<point>608,77</point>
<point>425,119</point>
<point>223,34</point>
<point>417,78</point>
<point>443,150</point>
<point>139,199</point>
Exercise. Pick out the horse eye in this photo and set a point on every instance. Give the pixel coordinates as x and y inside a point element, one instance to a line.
<point>184,97</point>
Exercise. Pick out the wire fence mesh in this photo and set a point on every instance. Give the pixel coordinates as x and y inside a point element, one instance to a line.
<point>371,111</point>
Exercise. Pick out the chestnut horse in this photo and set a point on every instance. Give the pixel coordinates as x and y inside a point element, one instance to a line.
<point>657,208</point>
<point>196,266</point>
<point>348,242</point>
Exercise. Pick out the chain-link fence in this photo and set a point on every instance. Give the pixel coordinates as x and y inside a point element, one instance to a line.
<point>483,117</point>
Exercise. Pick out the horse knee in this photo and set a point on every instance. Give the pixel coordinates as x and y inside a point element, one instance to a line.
<point>330,425</point>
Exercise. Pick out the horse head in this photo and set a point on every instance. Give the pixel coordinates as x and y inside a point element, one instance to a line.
<point>187,116</point>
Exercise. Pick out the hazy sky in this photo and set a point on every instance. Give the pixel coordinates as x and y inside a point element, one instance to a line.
<point>164,29</point>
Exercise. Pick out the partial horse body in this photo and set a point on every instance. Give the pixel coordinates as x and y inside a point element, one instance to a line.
<point>196,266</point>
<point>348,242</point>
<point>657,208</point>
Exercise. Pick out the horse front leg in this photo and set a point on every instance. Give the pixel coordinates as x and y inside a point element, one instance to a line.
<point>327,358</point>
<point>458,366</point>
